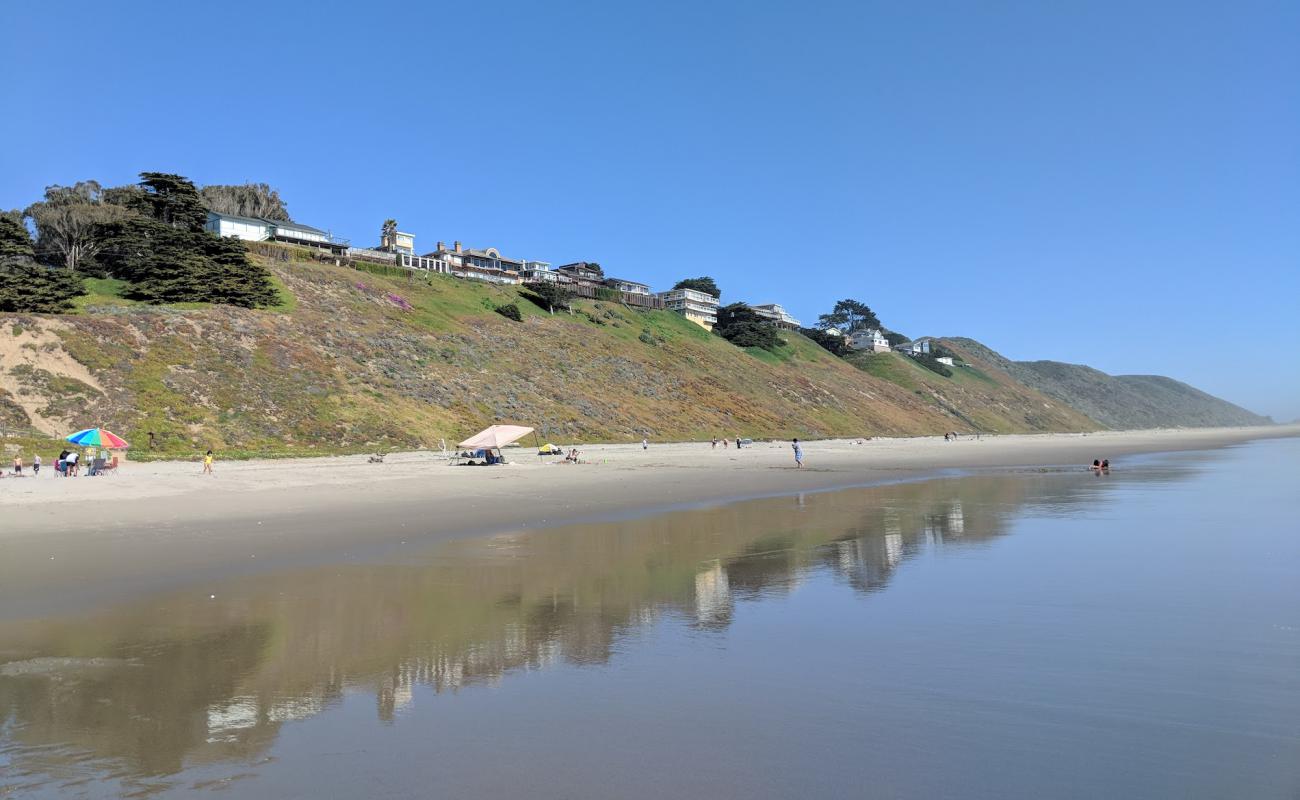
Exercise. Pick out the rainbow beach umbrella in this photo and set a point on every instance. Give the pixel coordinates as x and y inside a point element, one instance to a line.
<point>98,437</point>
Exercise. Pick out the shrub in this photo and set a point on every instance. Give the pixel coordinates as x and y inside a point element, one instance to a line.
<point>510,311</point>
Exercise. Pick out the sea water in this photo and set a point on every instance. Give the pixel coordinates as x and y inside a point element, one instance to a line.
<point>1034,633</point>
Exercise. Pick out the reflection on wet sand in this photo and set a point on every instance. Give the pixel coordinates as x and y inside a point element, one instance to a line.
<point>169,682</point>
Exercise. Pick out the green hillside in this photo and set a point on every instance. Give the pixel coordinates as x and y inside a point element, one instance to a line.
<point>977,397</point>
<point>1117,401</point>
<point>350,361</point>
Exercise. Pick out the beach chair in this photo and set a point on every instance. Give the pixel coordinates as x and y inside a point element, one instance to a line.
<point>110,468</point>
<point>97,466</point>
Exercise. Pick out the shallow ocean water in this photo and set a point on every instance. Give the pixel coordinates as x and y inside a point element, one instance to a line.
<point>1043,633</point>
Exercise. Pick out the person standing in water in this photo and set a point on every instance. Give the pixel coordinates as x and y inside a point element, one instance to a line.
<point>798,454</point>
<point>207,464</point>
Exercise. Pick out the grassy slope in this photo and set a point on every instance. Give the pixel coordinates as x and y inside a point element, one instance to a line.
<point>1124,401</point>
<point>979,397</point>
<point>341,366</point>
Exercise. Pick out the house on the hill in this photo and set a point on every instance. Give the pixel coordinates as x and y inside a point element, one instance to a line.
<point>582,273</point>
<point>945,360</point>
<point>774,314</point>
<point>699,307</point>
<point>920,347</point>
<point>482,265</point>
<point>870,339</point>
<point>253,229</point>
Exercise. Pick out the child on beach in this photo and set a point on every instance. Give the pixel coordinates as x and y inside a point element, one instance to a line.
<point>798,454</point>
<point>36,464</point>
<point>207,463</point>
<point>18,465</point>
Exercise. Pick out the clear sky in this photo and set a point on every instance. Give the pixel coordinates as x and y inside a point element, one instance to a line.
<point>1110,183</point>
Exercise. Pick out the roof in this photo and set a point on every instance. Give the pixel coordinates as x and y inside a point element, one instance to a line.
<point>279,223</point>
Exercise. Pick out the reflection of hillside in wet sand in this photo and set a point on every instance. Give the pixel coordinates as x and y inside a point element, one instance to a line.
<point>201,680</point>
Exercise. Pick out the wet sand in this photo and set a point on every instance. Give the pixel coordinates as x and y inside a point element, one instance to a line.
<point>159,524</point>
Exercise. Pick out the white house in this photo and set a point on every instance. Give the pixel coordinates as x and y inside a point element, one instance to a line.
<point>630,287</point>
<point>918,348</point>
<point>775,314</point>
<point>699,307</point>
<point>251,229</point>
<point>871,339</point>
<point>945,360</point>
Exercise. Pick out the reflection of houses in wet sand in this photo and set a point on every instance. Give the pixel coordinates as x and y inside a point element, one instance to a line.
<point>484,608</point>
<point>713,596</point>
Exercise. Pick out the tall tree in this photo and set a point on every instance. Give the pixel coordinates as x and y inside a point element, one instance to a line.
<point>14,238</point>
<point>849,316</point>
<point>701,284</point>
<point>256,200</point>
<point>743,327</point>
<point>69,222</point>
<point>172,200</point>
<point>388,230</point>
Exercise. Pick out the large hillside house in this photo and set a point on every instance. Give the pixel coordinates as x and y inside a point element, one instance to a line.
<point>776,315</point>
<point>699,307</point>
<point>252,229</point>
<point>870,339</point>
<point>581,273</point>
<point>483,265</point>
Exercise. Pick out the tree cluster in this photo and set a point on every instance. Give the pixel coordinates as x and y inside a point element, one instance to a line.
<point>26,285</point>
<point>152,236</point>
<point>828,341</point>
<point>848,316</point>
<point>255,200</point>
<point>743,327</point>
<point>549,296</point>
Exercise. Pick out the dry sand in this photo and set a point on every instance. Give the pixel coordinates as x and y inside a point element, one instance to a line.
<point>81,542</point>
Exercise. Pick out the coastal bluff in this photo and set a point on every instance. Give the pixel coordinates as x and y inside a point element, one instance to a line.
<point>351,360</point>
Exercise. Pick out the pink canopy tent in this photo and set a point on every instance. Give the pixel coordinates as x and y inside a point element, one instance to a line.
<point>495,437</point>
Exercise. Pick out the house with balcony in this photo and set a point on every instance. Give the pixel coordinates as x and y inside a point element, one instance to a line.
<point>398,242</point>
<point>582,273</point>
<point>699,307</point>
<point>481,265</point>
<point>774,314</point>
<point>628,287</point>
<point>254,229</point>
<point>870,339</point>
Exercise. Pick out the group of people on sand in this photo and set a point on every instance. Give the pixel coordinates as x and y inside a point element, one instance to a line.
<point>713,443</point>
<point>18,466</point>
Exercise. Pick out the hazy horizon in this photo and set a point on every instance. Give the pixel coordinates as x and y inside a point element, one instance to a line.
<point>1104,184</point>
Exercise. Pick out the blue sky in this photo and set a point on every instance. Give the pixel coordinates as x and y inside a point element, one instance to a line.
<point>1116,184</point>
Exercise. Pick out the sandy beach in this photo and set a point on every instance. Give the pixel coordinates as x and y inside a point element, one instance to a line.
<point>611,479</point>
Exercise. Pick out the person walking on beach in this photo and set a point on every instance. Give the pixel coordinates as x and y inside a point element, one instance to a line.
<point>207,463</point>
<point>36,464</point>
<point>645,443</point>
<point>798,454</point>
